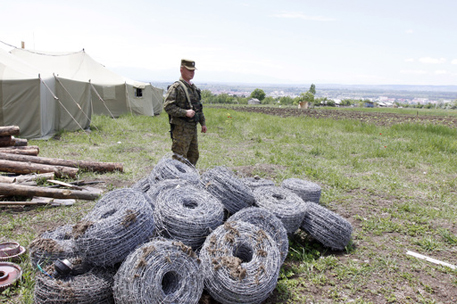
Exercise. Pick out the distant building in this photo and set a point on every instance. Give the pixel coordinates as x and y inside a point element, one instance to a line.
<point>369,104</point>
<point>253,101</point>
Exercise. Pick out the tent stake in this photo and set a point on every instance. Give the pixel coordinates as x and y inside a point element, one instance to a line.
<point>429,259</point>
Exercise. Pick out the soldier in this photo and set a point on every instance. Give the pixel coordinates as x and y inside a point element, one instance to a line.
<point>185,111</point>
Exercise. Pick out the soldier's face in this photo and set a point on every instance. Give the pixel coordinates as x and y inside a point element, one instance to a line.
<point>186,74</point>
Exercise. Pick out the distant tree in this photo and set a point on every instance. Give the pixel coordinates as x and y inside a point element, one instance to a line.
<point>330,103</point>
<point>324,101</point>
<point>269,100</point>
<point>207,96</point>
<point>224,98</point>
<point>312,89</point>
<point>453,104</point>
<point>307,97</point>
<point>347,102</point>
<point>258,93</point>
<point>242,100</point>
<point>286,100</point>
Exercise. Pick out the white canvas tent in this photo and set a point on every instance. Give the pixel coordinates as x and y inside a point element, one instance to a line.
<point>46,92</point>
<point>112,94</point>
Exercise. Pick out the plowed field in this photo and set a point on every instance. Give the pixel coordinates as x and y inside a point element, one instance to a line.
<point>377,118</point>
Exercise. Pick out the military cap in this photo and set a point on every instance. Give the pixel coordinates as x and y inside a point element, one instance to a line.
<point>188,64</point>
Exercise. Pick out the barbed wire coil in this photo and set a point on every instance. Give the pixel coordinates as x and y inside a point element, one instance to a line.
<point>240,263</point>
<point>327,227</point>
<point>119,222</point>
<point>160,271</point>
<point>187,214</point>
<point>286,205</point>
<point>229,189</point>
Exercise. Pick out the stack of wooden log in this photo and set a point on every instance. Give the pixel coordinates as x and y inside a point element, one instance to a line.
<point>22,165</point>
<point>10,144</point>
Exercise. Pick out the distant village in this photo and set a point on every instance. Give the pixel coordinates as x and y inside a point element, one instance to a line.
<point>369,100</point>
<point>368,96</point>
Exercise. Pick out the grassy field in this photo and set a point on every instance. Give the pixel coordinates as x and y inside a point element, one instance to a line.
<point>395,184</point>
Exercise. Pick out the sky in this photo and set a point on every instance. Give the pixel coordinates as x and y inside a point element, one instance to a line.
<point>248,41</point>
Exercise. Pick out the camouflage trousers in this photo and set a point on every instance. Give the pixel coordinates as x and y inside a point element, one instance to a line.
<point>185,141</point>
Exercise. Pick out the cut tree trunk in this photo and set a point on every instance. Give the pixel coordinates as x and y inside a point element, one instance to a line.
<point>84,165</point>
<point>51,202</point>
<point>24,150</point>
<point>33,177</point>
<point>9,130</point>
<point>19,141</point>
<point>30,191</point>
<point>19,167</point>
<point>7,179</point>
<point>6,141</point>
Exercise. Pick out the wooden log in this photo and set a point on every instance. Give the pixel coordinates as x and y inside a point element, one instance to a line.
<point>22,203</point>
<point>81,164</point>
<point>6,141</point>
<point>34,177</point>
<point>19,167</point>
<point>9,130</point>
<point>19,141</point>
<point>41,202</point>
<point>7,179</point>
<point>24,150</point>
<point>29,191</point>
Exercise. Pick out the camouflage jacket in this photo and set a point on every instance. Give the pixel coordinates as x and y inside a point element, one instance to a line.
<point>176,104</point>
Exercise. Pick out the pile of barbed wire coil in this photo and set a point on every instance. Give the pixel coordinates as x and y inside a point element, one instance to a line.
<point>177,232</point>
<point>160,271</point>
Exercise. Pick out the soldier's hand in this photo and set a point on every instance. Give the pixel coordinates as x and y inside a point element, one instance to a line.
<point>190,113</point>
<point>204,129</point>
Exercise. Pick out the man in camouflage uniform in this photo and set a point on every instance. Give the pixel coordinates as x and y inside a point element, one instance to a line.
<point>185,110</point>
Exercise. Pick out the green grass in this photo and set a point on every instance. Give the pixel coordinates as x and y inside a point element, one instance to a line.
<point>396,185</point>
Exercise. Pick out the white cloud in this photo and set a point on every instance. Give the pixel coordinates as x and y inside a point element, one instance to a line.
<point>454,61</point>
<point>294,15</point>
<point>409,60</point>
<point>441,72</point>
<point>432,60</point>
<point>409,31</point>
<point>414,72</point>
